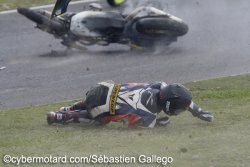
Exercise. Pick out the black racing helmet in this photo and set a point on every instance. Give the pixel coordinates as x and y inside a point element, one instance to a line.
<point>175,98</point>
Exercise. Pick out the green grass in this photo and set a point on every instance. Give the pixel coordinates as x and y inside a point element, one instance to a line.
<point>190,141</point>
<point>13,4</point>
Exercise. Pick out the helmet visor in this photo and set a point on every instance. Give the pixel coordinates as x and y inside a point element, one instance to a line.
<point>176,106</point>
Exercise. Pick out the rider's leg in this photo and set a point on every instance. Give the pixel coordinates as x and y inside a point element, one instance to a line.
<point>80,110</point>
<point>76,106</point>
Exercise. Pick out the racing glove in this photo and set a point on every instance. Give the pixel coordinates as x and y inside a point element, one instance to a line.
<point>205,116</point>
<point>163,121</point>
<point>198,112</point>
<point>65,109</point>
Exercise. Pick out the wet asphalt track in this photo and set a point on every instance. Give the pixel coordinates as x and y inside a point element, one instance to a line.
<point>217,44</point>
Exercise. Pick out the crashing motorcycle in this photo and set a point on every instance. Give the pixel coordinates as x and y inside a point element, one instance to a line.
<point>145,27</point>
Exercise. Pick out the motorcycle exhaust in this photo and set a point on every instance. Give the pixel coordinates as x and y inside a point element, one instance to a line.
<point>43,21</point>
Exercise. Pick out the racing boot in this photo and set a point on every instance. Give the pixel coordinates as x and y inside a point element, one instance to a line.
<point>63,117</point>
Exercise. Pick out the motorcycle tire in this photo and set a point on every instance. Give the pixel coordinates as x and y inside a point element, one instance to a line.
<point>161,26</point>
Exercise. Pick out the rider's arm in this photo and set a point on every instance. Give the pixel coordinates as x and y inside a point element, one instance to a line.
<point>158,85</point>
<point>198,112</point>
<point>78,106</point>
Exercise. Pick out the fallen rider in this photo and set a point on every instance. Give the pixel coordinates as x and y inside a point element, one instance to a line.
<point>134,104</point>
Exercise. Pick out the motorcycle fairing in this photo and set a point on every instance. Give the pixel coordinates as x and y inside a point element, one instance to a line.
<point>95,23</point>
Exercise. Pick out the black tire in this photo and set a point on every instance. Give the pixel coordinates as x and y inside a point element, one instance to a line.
<point>161,26</point>
<point>134,30</point>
